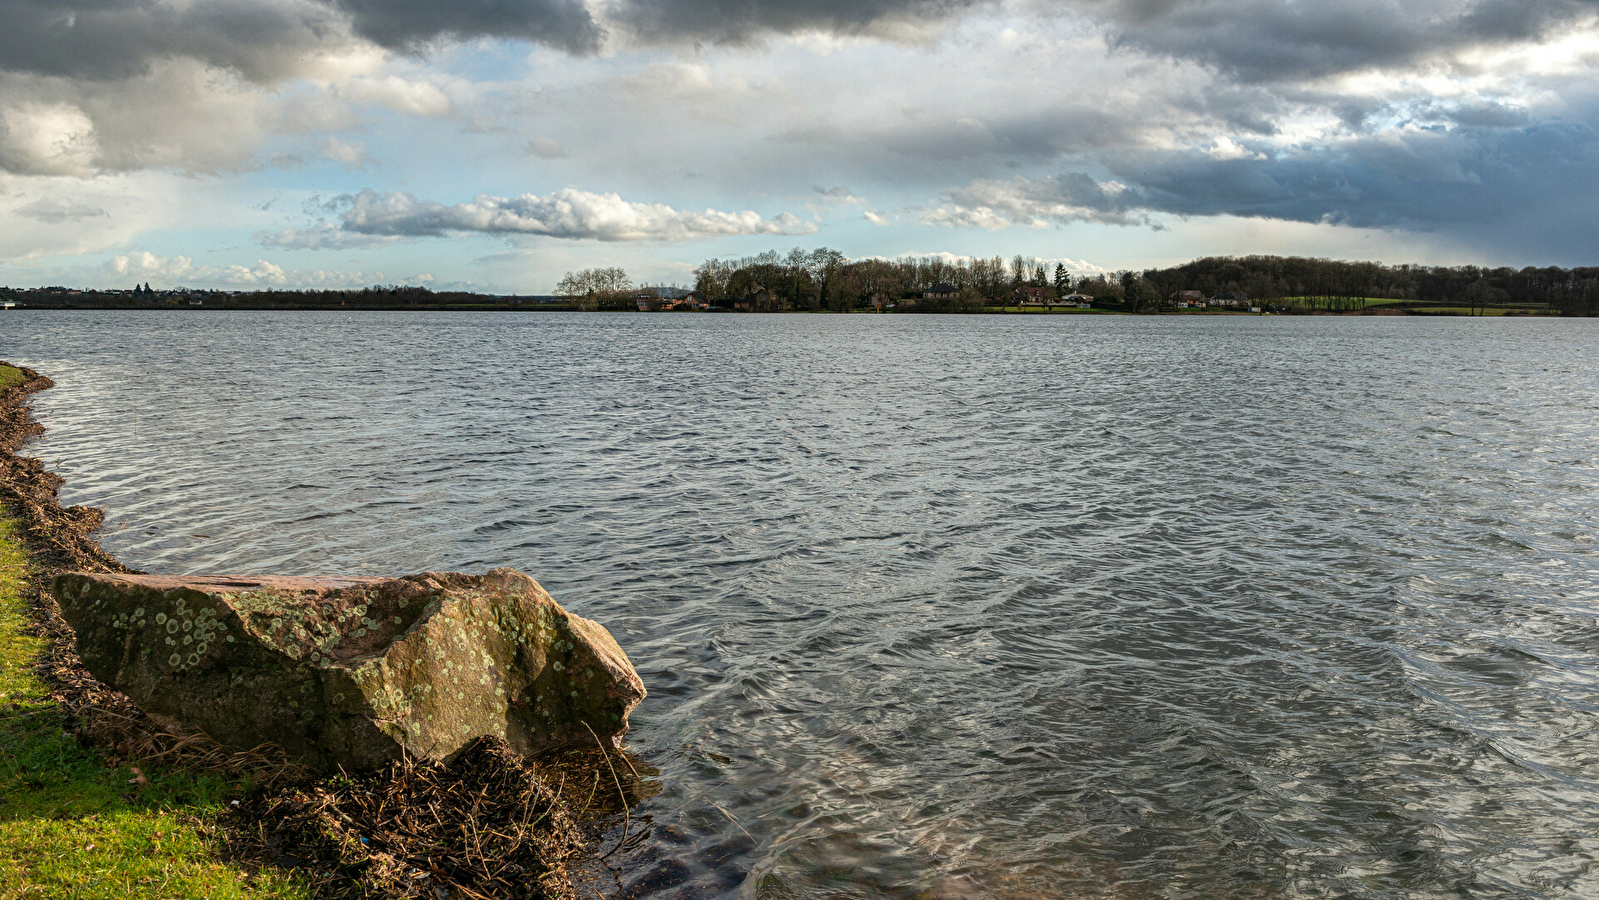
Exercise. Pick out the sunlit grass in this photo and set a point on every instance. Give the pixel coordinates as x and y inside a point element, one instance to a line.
<point>10,377</point>
<point>73,827</point>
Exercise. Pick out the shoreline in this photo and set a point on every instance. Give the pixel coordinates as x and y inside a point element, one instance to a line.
<point>1420,310</point>
<point>271,827</point>
<point>94,800</point>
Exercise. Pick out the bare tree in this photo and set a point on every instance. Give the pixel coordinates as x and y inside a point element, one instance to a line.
<point>597,288</point>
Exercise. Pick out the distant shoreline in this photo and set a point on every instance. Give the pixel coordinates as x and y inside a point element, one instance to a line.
<point>1417,309</point>
<point>825,280</point>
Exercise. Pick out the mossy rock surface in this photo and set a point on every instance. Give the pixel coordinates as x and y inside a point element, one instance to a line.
<point>354,672</point>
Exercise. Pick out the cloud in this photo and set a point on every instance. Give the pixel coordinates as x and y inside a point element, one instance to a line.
<point>567,214</point>
<point>46,139</point>
<point>547,148</point>
<point>742,21</point>
<point>1038,203</point>
<point>690,89</point>
<point>830,198</point>
<point>1540,176</point>
<point>324,236</point>
<point>200,85</point>
<point>1535,182</point>
<point>54,216</point>
<point>410,24</point>
<point>353,156</point>
<point>180,115</point>
<point>411,97</point>
<point>175,271</point>
<point>110,39</point>
<point>1277,40</point>
<point>837,194</point>
<point>263,40</point>
<point>57,212</point>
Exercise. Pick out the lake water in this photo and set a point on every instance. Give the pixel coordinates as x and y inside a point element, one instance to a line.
<point>938,607</point>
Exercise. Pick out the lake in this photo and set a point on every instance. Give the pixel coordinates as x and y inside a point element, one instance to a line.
<point>937,606</point>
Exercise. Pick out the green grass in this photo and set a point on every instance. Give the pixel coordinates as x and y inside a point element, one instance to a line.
<point>10,377</point>
<point>71,826</point>
<point>1459,311</point>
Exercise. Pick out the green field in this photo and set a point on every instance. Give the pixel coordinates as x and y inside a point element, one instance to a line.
<point>71,826</point>
<point>1462,311</point>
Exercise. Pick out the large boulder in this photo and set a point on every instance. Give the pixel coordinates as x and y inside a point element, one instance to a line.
<point>354,672</point>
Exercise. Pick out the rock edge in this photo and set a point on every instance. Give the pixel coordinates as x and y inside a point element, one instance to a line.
<point>354,671</point>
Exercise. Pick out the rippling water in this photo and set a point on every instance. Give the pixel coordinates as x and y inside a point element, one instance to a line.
<point>951,607</point>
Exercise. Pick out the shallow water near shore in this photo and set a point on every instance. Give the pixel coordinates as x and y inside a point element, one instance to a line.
<point>945,606</point>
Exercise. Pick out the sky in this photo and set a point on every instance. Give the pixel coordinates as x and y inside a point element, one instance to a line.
<point>494,145</point>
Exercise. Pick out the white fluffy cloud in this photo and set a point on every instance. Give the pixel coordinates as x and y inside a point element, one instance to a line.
<point>567,214</point>
<point>171,271</point>
<point>44,138</point>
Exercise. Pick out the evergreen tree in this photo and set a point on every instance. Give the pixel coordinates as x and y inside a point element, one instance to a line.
<point>1063,282</point>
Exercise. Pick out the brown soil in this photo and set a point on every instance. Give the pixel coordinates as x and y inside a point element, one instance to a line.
<point>487,825</point>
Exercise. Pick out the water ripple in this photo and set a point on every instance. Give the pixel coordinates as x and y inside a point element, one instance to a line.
<point>952,607</point>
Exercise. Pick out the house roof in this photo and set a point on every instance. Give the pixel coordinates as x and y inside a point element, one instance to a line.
<point>942,288</point>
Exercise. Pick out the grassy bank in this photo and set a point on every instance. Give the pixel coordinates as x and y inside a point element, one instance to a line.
<point>72,825</point>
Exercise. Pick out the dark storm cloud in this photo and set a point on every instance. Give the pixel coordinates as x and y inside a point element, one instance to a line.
<point>101,39</point>
<point>1530,188</point>
<point>406,24</point>
<point>1422,179</point>
<point>736,21</point>
<point>1274,40</point>
<point>1254,40</point>
<point>109,39</point>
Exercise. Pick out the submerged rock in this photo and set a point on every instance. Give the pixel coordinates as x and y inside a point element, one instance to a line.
<point>355,671</point>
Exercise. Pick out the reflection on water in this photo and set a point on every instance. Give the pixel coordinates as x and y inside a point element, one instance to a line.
<point>951,607</point>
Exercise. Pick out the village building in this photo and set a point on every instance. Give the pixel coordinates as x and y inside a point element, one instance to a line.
<point>941,291</point>
<point>1028,295</point>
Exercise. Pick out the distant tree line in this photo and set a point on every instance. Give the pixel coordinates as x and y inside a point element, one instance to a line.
<point>824,279</point>
<point>1337,284</point>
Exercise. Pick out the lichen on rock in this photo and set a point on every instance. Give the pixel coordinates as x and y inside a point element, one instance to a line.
<point>355,672</point>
